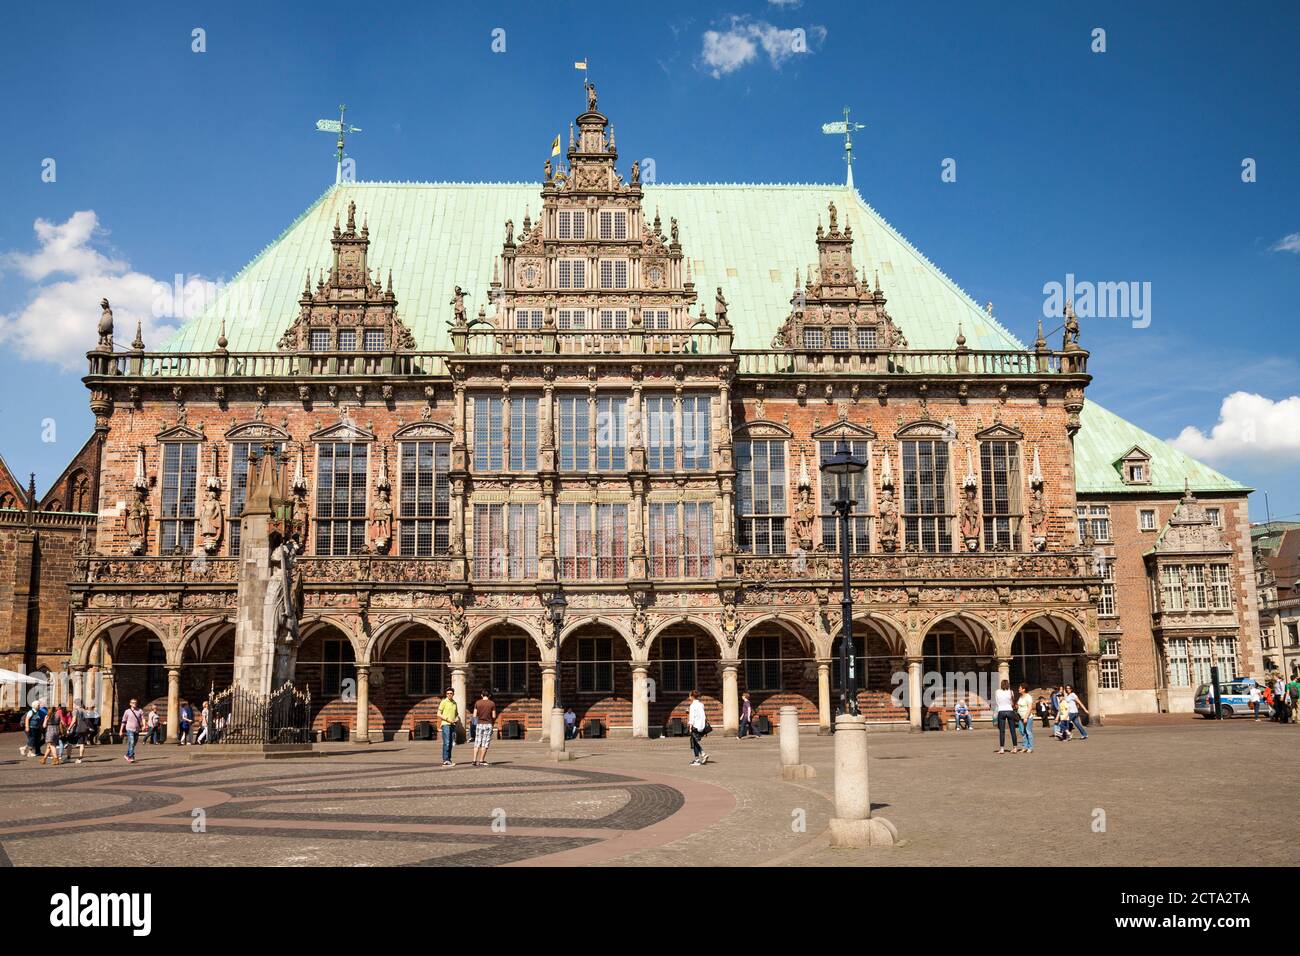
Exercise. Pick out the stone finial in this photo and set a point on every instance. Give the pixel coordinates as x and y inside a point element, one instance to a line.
<point>299,479</point>
<point>1036,472</point>
<point>140,483</point>
<point>887,472</point>
<point>222,341</point>
<point>1040,343</point>
<point>804,480</point>
<point>138,342</point>
<point>961,338</point>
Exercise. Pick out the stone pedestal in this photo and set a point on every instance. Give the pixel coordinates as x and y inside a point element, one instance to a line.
<point>557,751</point>
<point>853,825</point>
<point>730,698</point>
<point>548,699</point>
<point>791,768</point>
<point>823,697</point>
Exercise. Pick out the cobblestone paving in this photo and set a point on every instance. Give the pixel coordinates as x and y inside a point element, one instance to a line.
<point>1170,790</point>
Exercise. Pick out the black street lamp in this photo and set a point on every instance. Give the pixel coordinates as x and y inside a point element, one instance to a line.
<point>555,607</point>
<point>844,466</point>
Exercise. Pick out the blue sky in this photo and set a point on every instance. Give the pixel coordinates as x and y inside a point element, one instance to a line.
<point>1114,167</point>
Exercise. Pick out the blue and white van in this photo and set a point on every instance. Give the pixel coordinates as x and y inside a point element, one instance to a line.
<point>1234,699</point>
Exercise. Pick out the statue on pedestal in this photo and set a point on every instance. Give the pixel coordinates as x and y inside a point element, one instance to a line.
<point>970,519</point>
<point>1038,520</point>
<point>212,519</point>
<point>888,518</point>
<point>381,520</point>
<point>137,521</point>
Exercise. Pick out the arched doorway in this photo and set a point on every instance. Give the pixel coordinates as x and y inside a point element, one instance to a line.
<point>958,664</point>
<point>779,667</point>
<point>1046,653</point>
<point>207,663</point>
<point>684,657</point>
<point>596,676</point>
<point>409,671</point>
<point>327,667</point>
<point>506,662</point>
<point>881,656</point>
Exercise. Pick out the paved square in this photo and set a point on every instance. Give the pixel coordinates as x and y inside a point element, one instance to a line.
<point>1140,791</point>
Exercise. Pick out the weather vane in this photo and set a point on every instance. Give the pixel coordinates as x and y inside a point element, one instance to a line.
<point>338,126</point>
<point>846,128</point>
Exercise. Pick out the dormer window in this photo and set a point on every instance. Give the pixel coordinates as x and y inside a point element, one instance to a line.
<point>320,340</point>
<point>1135,467</point>
<point>374,340</point>
<point>528,318</point>
<point>1137,473</point>
<point>347,340</point>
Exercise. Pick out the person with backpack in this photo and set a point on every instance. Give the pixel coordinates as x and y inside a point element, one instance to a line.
<point>699,727</point>
<point>53,734</point>
<point>80,730</point>
<point>132,724</point>
<point>186,719</point>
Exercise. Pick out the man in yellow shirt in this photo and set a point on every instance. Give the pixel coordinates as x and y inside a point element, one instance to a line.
<point>447,714</point>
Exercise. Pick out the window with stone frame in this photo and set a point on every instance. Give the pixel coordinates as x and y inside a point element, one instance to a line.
<point>655,319</point>
<point>839,338</point>
<point>426,667</point>
<point>1176,662</point>
<point>489,434</point>
<point>1147,519</point>
<point>574,432</point>
<point>1000,488</point>
<point>859,520</point>
<point>613,273</point>
<point>661,430</point>
<point>1225,657</point>
<point>340,498</point>
<point>611,433</point>
<point>572,273</point>
<point>595,665</point>
<point>613,224</point>
<point>927,513</point>
<point>1202,659</point>
<point>337,666</point>
<point>613,320</point>
<point>180,472</point>
<point>593,541</point>
<point>1106,600</point>
<point>505,541</point>
<point>1292,634</point>
<point>1215,515</point>
<point>1196,595</point>
<point>1220,588</point>
<point>572,224</point>
<point>528,318</point>
<point>1094,520</point>
<point>1110,664</point>
<point>373,340</point>
<point>510,665</point>
<point>572,319</point>
<point>681,539</point>
<point>523,432</point>
<point>347,340</point>
<point>697,432</point>
<point>813,339</point>
<point>763,662</point>
<point>319,340</point>
<point>761,496</point>
<point>239,459</point>
<point>676,664</point>
<point>424,498</point>
<point>866,338</point>
<point>1171,587</point>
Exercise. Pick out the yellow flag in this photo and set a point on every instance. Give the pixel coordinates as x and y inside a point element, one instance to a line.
<point>580,65</point>
<point>555,146</point>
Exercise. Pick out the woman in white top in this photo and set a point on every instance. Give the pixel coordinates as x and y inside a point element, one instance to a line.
<point>1004,704</point>
<point>698,723</point>
<point>1254,700</point>
<point>1025,712</point>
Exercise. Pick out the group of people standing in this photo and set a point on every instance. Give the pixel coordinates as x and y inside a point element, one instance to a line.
<point>51,732</point>
<point>1282,697</point>
<point>1016,712</point>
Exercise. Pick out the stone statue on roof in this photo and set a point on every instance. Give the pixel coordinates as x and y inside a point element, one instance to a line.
<point>591,97</point>
<point>458,307</point>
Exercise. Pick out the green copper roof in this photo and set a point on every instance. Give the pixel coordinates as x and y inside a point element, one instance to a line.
<point>1105,438</point>
<point>436,236</point>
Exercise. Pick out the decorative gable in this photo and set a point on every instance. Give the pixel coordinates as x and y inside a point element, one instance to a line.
<point>180,432</point>
<point>1000,432</point>
<point>846,430</point>
<point>1135,467</point>
<point>345,430</point>
<point>423,431</point>
<point>1190,530</point>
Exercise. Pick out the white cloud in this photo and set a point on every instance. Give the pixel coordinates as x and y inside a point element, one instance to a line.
<point>59,320</point>
<point>1249,426</point>
<point>1290,243</point>
<point>785,4</point>
<point>728,50</point>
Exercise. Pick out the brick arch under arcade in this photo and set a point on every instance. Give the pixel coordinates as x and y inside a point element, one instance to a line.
<point>1051,650</point>
<point>121,659</point>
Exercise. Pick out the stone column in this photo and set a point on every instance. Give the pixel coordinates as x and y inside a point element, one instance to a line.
<point>913,692</point>
<point>853,825</point>
<point>823,697</point>
<point>361,732</point>
<point>1067,670</point>
<point>548,699</point>
<point>730,698</point>
<point>79,684</point>
<point>108,712</point>
<point>640,701</point>
<point>1004,670</point>
<point>1094,688</point>
<point>458,685</point>
<point>557,751</point>
<point>173,703</point>
<point>791,768</point>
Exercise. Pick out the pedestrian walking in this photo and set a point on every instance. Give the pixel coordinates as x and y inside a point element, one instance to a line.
<point>132,724</point>
<point>448,714</point>
<point>80,730</point>
<point>1006,711</point>
<point>1025,711</point>
<point>1255,701</point>
<point>204,719</point>
<point>746,731</point>
<point>153,726</point>
<point>34,728</point>
<point>1062,720</point>
<point>485,716</point>
<point>53,729</point>
<point>65,728</point>
<point>699,727</point>
<point>186,719</point>
<point>1074,706</point>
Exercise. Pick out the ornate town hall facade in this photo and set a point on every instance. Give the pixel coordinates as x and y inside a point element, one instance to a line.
<point>565,443</point>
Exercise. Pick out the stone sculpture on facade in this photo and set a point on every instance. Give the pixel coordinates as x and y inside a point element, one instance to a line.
<point>105,326</point>
<point>137,522</point>
<point>970,519</point>
<point>212,519</point>
<point>283,594</point>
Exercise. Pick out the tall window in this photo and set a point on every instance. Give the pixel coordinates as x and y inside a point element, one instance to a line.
<point>1202,655</point>
<point>760,496</point>
<point>1146,520</point>
<point>1197,598</point>
<point>763,662</point>
<point>1220,588</point>
<point>340,498</point>
<point>611,434</point>
<point>347,340</point>
<point>1000,478</point>
<point>681,539</point>
<point>613,273</point>
<point>180,464</point>
<point>572,319</point>
<point>866,338</point>
<point>593,541</point>
<point>677,664</point>
<point>426,668</point>
<point>697,539</point>
<point>573,273</point>
<point>1094,519</point>
<point>926,521</point>
<point>510,665</point>
<point>425,505</point>
<point>239,455</point>
<point>337,666</point>
<point>523,433</point>
<point>595,665</point>
<point>575,441</point>
<point>859,521</point>
<point>489,438</point>
<point>1225,657</point>
<point>613,224</point>
<point>505,541</point>
<point>655,319</point>
<point>1106,603</point>
<point>1176,662</point>
<point>1110,672</point>
<point>573,224</point>
<point>1171,588</point>
<point>660,434</point>
<point>697,432</point>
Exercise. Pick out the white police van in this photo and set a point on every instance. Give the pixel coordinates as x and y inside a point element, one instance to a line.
<point>1234,699</point>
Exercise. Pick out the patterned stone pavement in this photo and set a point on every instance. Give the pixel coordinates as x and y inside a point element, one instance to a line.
<point>1169,790</point>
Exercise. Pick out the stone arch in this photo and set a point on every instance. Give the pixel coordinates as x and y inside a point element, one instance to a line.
<point>1048,648</point>
<point>796,627</point>
<point>981,633</point>
<point>390,630</point>
<point>613,623</point>
<point>596,682</point>
<point>310,624</point>
<point>81,654</point>
<point>707,626</point>
<point>880,650</point>
<point>202,632</point>
<point>514,620</point>
<point>1060,625</point>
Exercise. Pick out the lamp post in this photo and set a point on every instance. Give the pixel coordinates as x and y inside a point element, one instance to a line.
<point>555,607</point>
<point>844,466</point>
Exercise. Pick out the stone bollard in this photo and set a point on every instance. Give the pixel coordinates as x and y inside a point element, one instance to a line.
<point>853,825</point>
<point>557,736</point>
<point>791,768</point>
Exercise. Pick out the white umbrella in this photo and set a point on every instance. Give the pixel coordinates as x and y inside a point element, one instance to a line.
<point>13,677</point>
